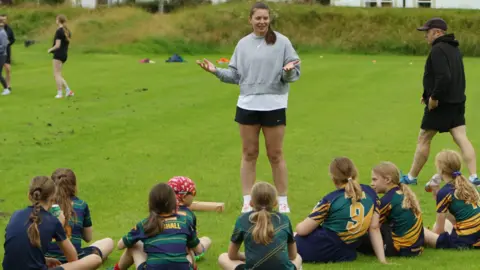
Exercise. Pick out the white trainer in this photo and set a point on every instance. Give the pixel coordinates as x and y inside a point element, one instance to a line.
<point>6,92</point>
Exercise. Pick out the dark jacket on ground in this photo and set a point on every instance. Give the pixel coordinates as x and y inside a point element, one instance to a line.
<point>444,77</point>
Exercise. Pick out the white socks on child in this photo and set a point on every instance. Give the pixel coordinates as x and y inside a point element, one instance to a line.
<point>473,177</point>
<point>282,200</point>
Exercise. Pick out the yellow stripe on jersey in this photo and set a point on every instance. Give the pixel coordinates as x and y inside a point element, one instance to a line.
<point>444,202</point>
<point>350,237</point>
<point>468,226</point>
<point>384,213</point>
<point>411,237</point>
<point>320,213</point>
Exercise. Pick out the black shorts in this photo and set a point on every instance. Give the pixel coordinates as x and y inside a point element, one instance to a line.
<point>264,118</point>
<point>242,267</point>
<point>388,246</point>
<point>8,60</point>
<point>60,57</point>
<point>444,117</point>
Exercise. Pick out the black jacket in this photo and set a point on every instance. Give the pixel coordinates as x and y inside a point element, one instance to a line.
<point>11,36</point>
<point>444,77</point>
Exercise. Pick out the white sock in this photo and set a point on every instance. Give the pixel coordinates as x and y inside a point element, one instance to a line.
<point>473,177</point>
<point>410,177</point>
<point>60,92</point>
<point>247,199</point>
<point>282,200</point>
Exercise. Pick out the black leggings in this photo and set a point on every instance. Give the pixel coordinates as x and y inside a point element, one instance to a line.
<point>3,58</point>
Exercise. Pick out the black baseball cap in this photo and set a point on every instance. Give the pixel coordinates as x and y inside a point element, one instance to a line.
<point>434,23</point>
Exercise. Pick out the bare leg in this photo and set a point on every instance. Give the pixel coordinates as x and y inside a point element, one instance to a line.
<point>459,135</point>
<point>105,245</point>
<point>57,73</point>
<point>422,152</point>
<point>274,144</point>
<point>134,255</point>
<point>206,242</point>
<point>8,70</point>
<point>227,264</point>
<point>249,135</point>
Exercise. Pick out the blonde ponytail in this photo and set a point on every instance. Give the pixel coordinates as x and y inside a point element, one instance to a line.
<point>263,231</point>
<point>353,190</point>
<point>410,200</point>
<point>465,191</point>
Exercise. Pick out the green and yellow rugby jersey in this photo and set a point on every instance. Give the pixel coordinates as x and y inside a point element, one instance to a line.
<point>350,222</point>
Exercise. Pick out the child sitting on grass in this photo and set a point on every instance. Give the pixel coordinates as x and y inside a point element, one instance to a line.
<point>185,192</point>
<point>161,240</point>
<point>31,229</point>
<point>458,201</point>
<point>79,222</point>
<point>266,234</point>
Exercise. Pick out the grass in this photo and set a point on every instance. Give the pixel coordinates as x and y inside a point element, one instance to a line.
<point>120,140</point>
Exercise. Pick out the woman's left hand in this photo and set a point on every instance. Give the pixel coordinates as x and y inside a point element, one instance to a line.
<point>291,65</point>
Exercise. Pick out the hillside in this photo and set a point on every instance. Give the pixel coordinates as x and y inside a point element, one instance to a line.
<point>208,29</point>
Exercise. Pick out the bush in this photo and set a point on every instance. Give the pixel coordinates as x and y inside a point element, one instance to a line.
<point>208,28</point>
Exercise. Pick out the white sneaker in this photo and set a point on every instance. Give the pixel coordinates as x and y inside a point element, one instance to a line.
<point>69,93</point>
<point>246,208</point>
<point>283,208</point>
<point>6,92</point>
<point>434,182</point>
<point>59,96</point>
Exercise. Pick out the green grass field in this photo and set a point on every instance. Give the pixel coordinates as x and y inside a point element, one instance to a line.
<point>120,140</point>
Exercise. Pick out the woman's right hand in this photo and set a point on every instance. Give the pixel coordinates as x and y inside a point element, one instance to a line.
<point>207,65</point>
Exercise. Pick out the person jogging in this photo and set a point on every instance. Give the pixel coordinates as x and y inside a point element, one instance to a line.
<point>444,98</point>
<point>3,52</point>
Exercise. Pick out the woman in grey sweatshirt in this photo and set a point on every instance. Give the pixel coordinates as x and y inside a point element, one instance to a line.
<point>3,52</point>
<point>263,64</point>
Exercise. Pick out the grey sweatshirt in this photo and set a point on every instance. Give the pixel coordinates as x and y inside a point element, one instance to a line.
<point>3,42</point>
<point>258,67</point>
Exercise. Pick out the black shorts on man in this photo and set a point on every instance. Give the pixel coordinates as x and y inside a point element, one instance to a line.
<point>444,118</point>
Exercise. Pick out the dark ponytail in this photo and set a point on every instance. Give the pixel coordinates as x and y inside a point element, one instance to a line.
<point>33,232</point>
<point>154,225</point>
<point>270,36</point>
<point>42,190</point>
<point>162,202</point>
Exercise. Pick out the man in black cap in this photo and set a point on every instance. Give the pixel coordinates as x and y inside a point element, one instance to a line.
<point>444,99</point>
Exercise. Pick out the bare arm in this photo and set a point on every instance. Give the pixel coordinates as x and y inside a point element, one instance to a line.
<point>233,252</point>
<point>440,224</point>
<point>87,234</point>
<point>292,251</point>
<point>121,245</point>
<point>68,250</point>
<point>58,42</point>
<point>306,227</point>
<point>376,238</point>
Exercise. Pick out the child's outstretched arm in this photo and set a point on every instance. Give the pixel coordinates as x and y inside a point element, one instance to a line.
<point>306,226</point>
<point>376,238</point>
